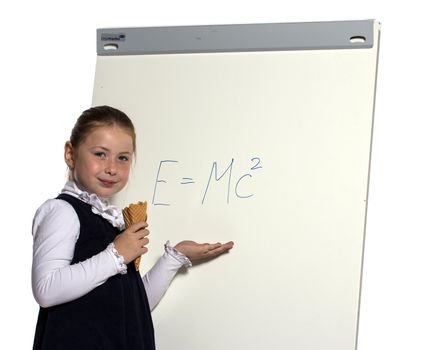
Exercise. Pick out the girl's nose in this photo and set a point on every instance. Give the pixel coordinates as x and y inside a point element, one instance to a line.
<point>110,168</point>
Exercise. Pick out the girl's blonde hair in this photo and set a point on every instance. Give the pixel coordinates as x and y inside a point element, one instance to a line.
<point>99,116</point>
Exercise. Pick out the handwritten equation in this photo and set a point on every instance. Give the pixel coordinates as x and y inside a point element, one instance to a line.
<point>217,174</point>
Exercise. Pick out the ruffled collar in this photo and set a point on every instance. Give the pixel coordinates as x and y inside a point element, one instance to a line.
<point>99,206</point>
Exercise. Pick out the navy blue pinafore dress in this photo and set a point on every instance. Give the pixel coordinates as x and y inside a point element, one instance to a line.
<point>113,316</point>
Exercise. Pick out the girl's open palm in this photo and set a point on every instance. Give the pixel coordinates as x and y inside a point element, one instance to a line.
<point>199,252</point>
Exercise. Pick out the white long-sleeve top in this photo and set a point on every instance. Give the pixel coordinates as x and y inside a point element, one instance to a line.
<point>56,229</point>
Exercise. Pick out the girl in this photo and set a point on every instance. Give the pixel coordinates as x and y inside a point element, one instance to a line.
<point>83,274</point>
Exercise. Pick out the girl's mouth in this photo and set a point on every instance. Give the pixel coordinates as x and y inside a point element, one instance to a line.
<point>107,183</point>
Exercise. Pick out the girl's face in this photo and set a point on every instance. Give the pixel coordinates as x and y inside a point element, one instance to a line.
<point>101,163</point>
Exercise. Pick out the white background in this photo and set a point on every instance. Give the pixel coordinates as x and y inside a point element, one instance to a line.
<point>48,54</point>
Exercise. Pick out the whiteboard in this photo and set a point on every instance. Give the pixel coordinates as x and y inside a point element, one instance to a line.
<point>260,134</point>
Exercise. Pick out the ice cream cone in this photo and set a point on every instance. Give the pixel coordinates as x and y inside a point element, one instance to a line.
<point>132,214</point>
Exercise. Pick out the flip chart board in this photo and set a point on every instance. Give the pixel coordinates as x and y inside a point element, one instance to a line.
<point>260,134</point>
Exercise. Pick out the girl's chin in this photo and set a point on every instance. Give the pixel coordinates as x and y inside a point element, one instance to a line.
<point>107,192</point>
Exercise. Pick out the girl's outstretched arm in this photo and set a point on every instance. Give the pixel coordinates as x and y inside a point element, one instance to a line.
<point>159,277</point>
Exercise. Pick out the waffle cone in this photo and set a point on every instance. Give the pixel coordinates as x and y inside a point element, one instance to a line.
<point>132,214</point>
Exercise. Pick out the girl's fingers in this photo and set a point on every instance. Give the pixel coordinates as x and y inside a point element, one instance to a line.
<point>144,241</point>
<point>137,226</point>
<point>213,246</point>
<point>219,248</point>
<point>141,233</point>
<point>139,230</point>
<point>143,250</point>
<point>229,245</point>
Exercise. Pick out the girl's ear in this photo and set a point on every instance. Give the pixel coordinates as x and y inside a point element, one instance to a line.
<point>69,155</point>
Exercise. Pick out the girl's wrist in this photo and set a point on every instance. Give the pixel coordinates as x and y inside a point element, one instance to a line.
<point>177,255</point>
<point>119,260</point>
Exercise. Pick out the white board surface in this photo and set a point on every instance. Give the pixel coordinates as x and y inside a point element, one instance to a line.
<point>270,149</point>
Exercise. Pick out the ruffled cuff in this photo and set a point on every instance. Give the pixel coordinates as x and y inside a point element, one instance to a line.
<point>180,257</point>
<point>120,262</point>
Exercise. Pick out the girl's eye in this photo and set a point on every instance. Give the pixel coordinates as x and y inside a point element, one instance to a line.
<point>124,158</point>
<point>100,155</point>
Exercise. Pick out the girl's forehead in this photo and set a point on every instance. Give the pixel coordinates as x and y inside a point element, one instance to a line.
<point>110,137</point>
